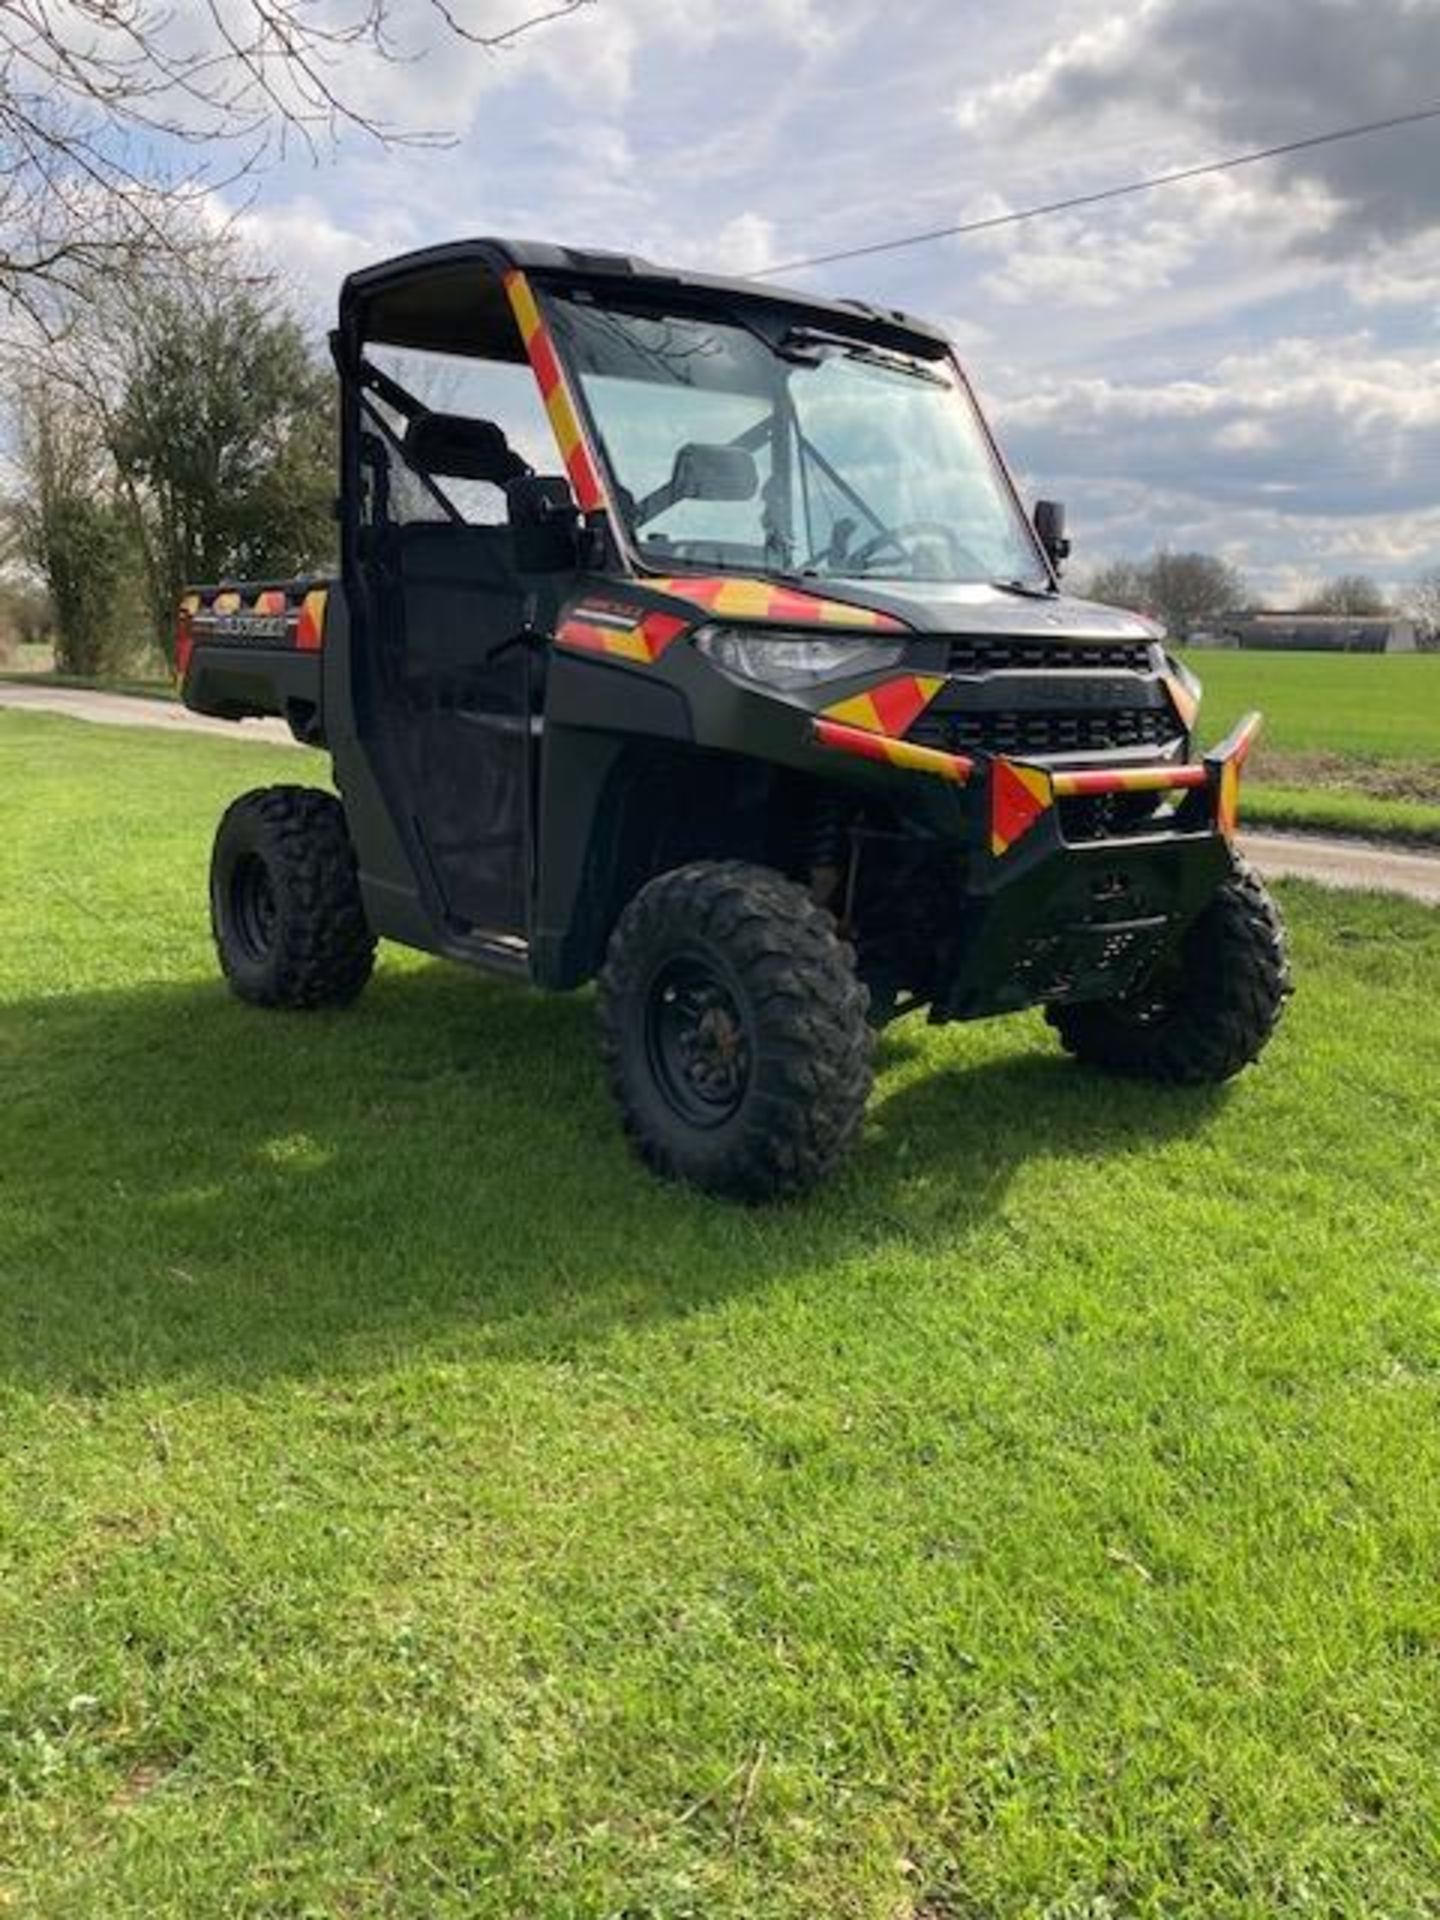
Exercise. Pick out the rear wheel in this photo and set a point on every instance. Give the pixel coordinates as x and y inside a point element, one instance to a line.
<point>285,905</point>
<point>733,1029</point>
<point>1205,1013</point>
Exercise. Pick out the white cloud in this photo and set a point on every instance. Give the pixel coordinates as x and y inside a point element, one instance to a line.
<point>1292,459</point>
<point>743,245</point>
<point>1256,76</point>
<point>1191,365</point>
<point>1102,44</point>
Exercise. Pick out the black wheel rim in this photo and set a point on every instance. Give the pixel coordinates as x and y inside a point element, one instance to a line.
<point>697,1040</point>
<point>253,910</point>
<point>1159,998</point>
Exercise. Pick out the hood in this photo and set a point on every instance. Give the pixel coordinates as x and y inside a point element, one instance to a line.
<point>890,605</point>
<point>933,606</point>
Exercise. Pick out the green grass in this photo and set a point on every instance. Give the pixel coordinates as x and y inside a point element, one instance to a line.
<point>1378,706</point>
<point>1340,810</point>
<point>1351,741</point>
<point>410,1508</point>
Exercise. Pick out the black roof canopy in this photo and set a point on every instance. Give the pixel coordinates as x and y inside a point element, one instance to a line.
<point>449,298</point>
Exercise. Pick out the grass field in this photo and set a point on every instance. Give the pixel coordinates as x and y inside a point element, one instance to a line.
<point>1377,706</point>
<point>1351,742</point>
<point>409,1508</point>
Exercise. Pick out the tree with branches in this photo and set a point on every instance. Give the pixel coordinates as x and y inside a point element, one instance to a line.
<point>67,526</point>
<point>116,114</point>
<point>1422,603</point>
<point>222,435</point>
<point>1188,591</point>
<point>1353,595</point>
<point>183,405</point>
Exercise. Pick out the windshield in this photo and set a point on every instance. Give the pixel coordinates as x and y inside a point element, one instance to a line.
<point>803,453</point>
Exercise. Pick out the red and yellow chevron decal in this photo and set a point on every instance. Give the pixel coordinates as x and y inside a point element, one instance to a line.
<point>310,626</point>
<point>892,708</point>
<point>1231,756</point>
<point>735,597</point>
<point>1019,795</point>
<point>185,633</point>
<point>1090,780</point>
<point>575,451</point>
<point>250,616</point>
<point>627,634</point>
<point>868,745</point>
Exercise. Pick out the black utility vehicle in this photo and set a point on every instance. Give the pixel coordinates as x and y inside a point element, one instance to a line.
<point>762,707</point>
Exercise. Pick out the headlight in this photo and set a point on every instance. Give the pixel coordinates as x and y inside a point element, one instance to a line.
<point>785,660</point>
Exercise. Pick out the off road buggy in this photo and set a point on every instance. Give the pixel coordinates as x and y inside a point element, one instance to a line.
<point>761,707</point>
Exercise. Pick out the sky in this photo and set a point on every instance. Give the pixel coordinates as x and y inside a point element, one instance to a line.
<point>1248,363</point>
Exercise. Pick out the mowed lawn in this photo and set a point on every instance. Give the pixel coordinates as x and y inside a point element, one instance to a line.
<point>1380,706</point>
<point>1351,741</point>
<point>410,1508</point>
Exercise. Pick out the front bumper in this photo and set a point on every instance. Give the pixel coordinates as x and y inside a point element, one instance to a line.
<point>1046,915</point>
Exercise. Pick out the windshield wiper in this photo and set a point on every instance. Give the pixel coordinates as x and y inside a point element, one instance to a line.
<point>1031,589</point>
<point>806,345</point>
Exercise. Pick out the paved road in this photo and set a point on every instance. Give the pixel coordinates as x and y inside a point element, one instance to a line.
<point>1346,863</point>
<point>1336,863</point>
<point>127,710</point>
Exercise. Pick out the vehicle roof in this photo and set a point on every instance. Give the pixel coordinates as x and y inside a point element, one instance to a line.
<point>428,298</point>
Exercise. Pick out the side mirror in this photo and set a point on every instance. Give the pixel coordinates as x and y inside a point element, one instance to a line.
<point>545,523</point>
<point>1050,526</point>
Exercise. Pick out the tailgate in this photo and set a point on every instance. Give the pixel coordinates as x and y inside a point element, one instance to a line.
<point>253,648</point>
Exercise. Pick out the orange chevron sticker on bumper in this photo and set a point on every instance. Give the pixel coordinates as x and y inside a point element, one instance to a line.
<point>1227,762</point>
<point>1092,780</point>
<point>1227,803</point>
<point>1018,797</point>
<point>891,708</point>
<point>867,745</point>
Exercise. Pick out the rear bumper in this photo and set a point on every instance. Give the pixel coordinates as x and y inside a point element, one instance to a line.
<point>1047,915</point>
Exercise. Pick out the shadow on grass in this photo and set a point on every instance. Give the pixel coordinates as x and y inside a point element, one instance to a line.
<point>193,1188</point>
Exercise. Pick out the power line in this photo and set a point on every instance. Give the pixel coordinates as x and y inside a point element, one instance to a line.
<point>1107,193</point>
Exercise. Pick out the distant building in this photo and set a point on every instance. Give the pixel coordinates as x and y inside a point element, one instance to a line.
<point>1322,632</point>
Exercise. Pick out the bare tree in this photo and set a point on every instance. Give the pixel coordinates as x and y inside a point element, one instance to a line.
<point>1123,583</point>
<point>1422,603</point>
<point>1190,591</point>
<point>1355,594</point>
<point>115,112</point>
<point>1185,590</point>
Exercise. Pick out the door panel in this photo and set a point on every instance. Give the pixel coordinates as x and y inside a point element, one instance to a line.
<point>451,723</point>
<point>467,698</point>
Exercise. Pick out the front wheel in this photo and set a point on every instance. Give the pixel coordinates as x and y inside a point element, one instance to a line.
<point>285,906</point>
<point>733,1029</point>
<point>1207,1011</point>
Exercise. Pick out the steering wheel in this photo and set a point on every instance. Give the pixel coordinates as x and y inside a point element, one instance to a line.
<point>913,530</point>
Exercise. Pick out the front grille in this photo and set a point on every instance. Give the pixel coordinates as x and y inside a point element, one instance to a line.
<point>1008,730</point>
<point>986,654</point>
